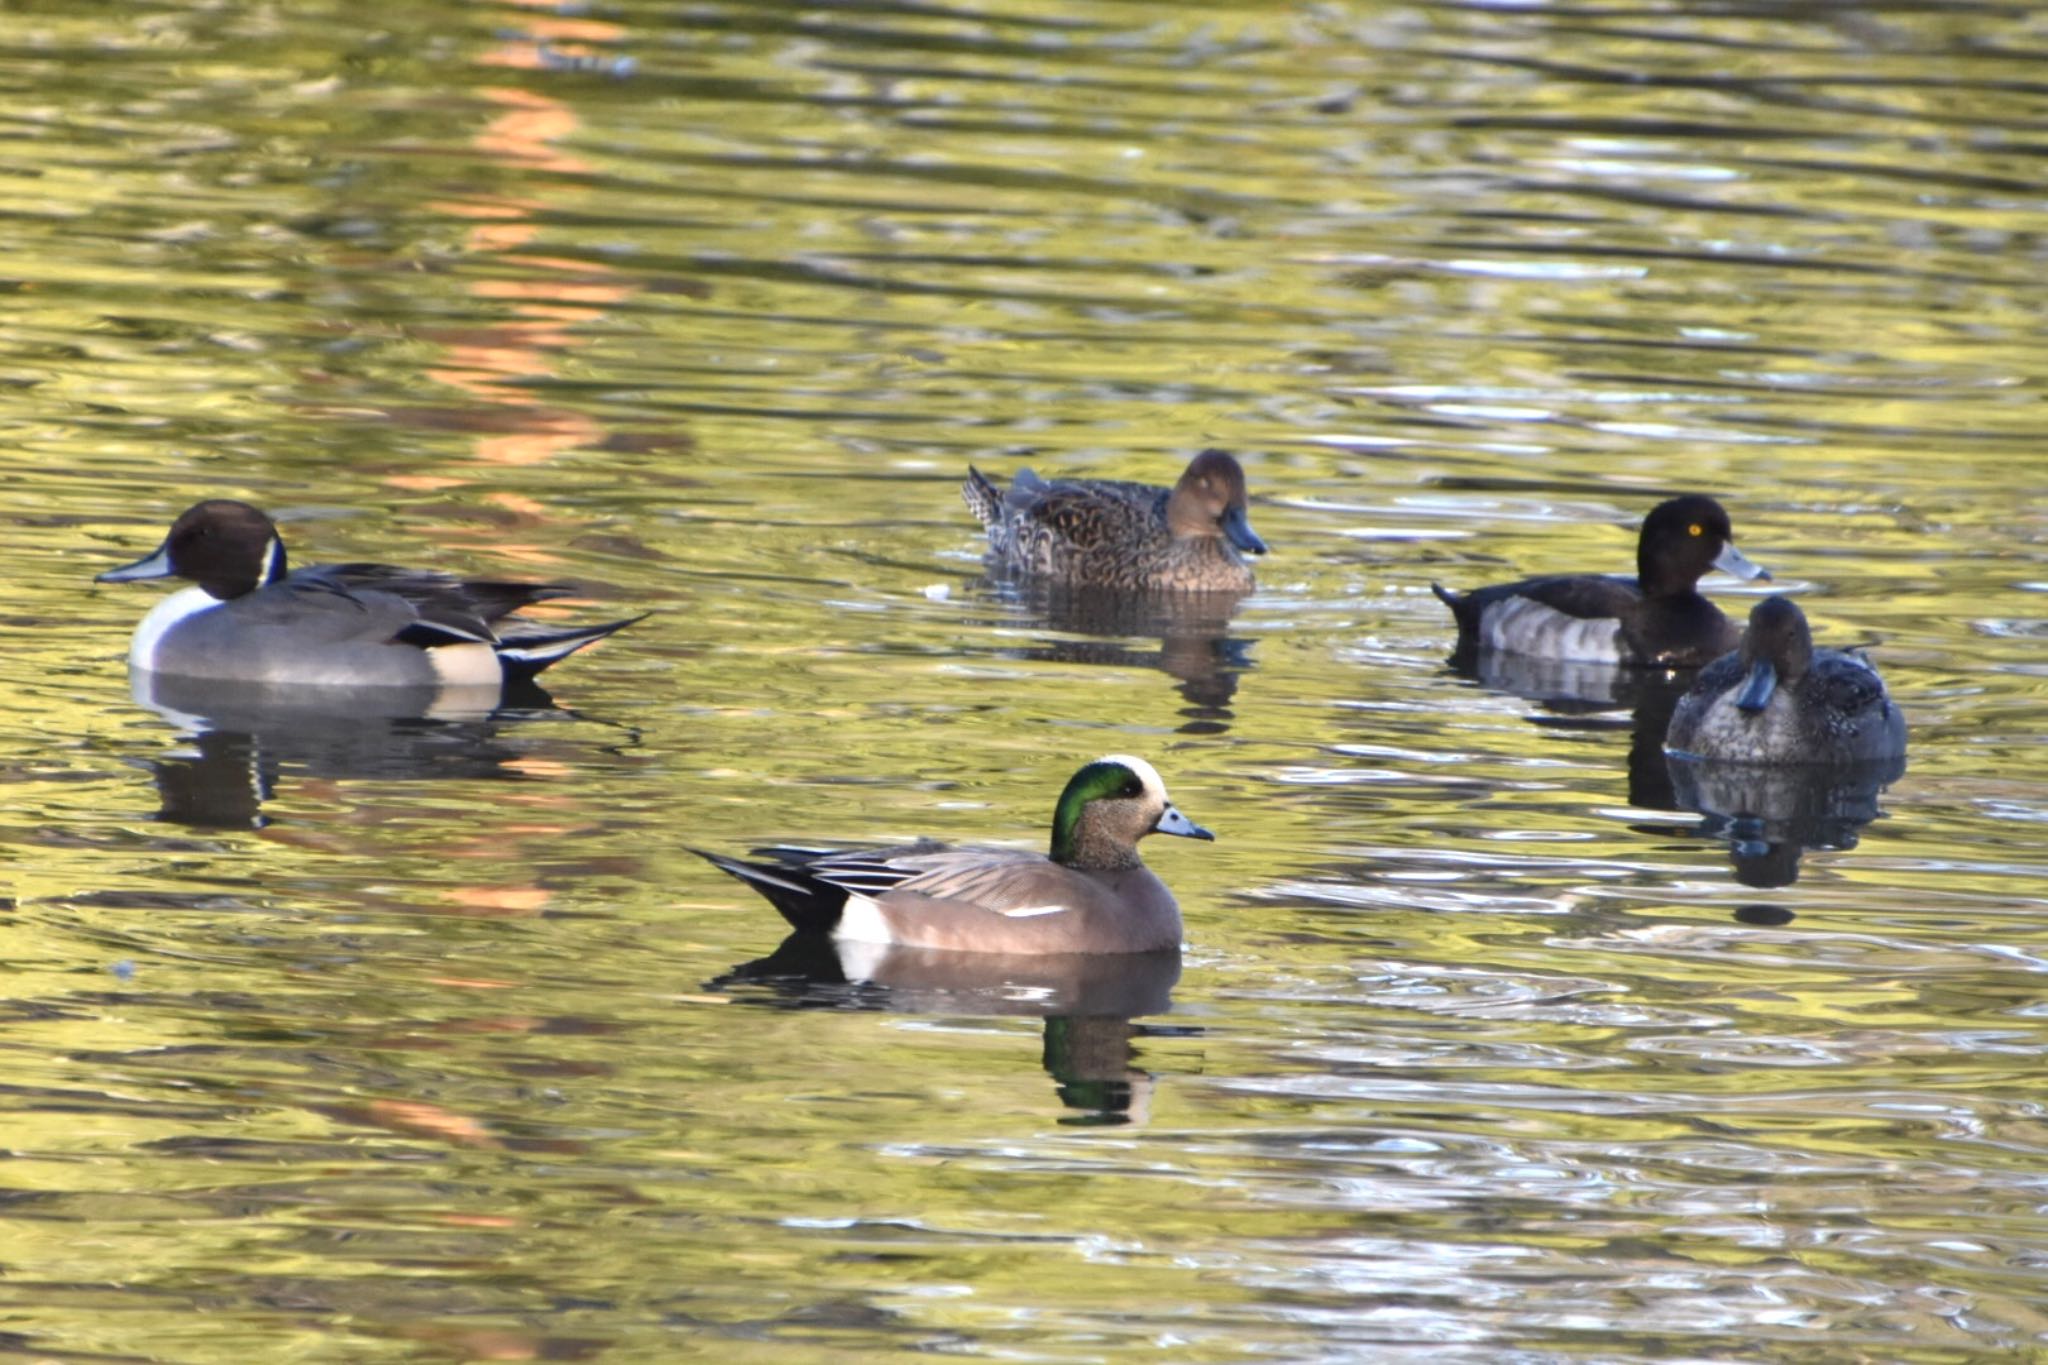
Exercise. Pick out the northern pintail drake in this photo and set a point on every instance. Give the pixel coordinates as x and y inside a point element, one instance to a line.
<point>1092,894</point>
<point>1657,618</point>
<point>1132,537</point>
<point>1777,699</point>
<point>250,619</point>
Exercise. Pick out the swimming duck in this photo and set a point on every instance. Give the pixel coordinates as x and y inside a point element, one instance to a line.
<point>1657,618</point>
<point>252,620</point>
<point>1133,537</point>
<point>1777,699</point>
<point>1091,894</point>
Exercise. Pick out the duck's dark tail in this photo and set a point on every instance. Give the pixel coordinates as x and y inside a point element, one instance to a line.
<point>982,496</point>
<point>1463,610</point>
<point>527,647</point>
<point>810,905</point>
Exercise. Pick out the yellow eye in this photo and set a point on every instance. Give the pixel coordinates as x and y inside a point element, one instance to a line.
<point>1693,529</point>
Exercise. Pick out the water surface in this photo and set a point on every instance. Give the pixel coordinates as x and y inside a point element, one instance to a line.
<point>428,1038</point>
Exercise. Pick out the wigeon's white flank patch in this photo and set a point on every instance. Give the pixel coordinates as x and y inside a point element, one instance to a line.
<point>183,603</point>
<point>1031,911</point>
<point>860,921</point>
<point>1522,625</point>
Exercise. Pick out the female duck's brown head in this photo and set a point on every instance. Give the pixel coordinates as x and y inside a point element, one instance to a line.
<point>1210,500</point>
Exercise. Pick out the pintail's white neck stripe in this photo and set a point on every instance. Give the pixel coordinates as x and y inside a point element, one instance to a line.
<point>162,619</point>
<point>273,561</point>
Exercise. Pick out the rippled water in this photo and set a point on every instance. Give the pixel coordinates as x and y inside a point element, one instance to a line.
<point>401,1039</point>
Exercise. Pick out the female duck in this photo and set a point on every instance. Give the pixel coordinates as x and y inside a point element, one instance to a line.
<point>1777,699</point>
<point>1131,537</point>
<point>1093,894</point>
<point>251,620</point>
<point>1657,618</point>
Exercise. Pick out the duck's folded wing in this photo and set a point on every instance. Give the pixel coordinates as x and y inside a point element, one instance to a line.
<point>1724,674</point>
<point>1007,881</point>
<point>441,609</point>
<point>1849,681</point>
<point>1582,596</point>
<point>1003,880</point>
<point>1090,509</point>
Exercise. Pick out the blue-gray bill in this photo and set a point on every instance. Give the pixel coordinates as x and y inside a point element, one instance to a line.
<point>1733,561</point>
<point>1237,529</point>
<point>1757,688</point>
<point>155,564</point>
<point>1173,822</point>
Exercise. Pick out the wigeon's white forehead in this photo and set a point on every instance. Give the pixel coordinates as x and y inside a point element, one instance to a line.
<point>1147,774</point>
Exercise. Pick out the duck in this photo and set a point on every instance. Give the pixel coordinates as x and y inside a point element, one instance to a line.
<point>1120,536</point>
<point>252,619</point>
<point>1090,894</point>
<point>1655,619</point>
<point>1777,699</point>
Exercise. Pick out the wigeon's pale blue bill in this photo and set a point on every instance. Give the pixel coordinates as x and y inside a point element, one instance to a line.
<point>1173,822</point>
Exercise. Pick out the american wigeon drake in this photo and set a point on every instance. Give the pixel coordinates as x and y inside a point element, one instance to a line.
<point>1092,894</point>
<point>253,620</point>
<point>1777,699</point>
<point>1131,537</point>
<point>1657,618</point>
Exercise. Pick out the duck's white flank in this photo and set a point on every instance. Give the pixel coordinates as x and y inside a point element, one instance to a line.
<point>860,921</point>
<point>1522,625</point>
<point>466,665</point>
<point>164,615</point>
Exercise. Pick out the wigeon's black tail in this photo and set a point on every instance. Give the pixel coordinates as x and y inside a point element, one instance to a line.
<point>811,905</point>
<point>526,647</point>
<point>982,497</point>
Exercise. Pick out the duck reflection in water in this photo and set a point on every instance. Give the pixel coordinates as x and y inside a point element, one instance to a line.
<point>242,738</point>
<point>1784,746</point>
<point>1585,697</point>
<point>1089,1002</point>
<point>1195,646</point>
<point>1770,815</point>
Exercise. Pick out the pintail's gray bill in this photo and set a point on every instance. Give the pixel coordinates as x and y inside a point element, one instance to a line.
<point>156,564</point>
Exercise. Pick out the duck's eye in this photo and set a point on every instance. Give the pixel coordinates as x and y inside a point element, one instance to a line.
<point>1133,788</point>
<point>1695,530</point>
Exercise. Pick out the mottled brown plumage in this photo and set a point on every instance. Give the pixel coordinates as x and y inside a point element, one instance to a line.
<point>1131,537</point>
